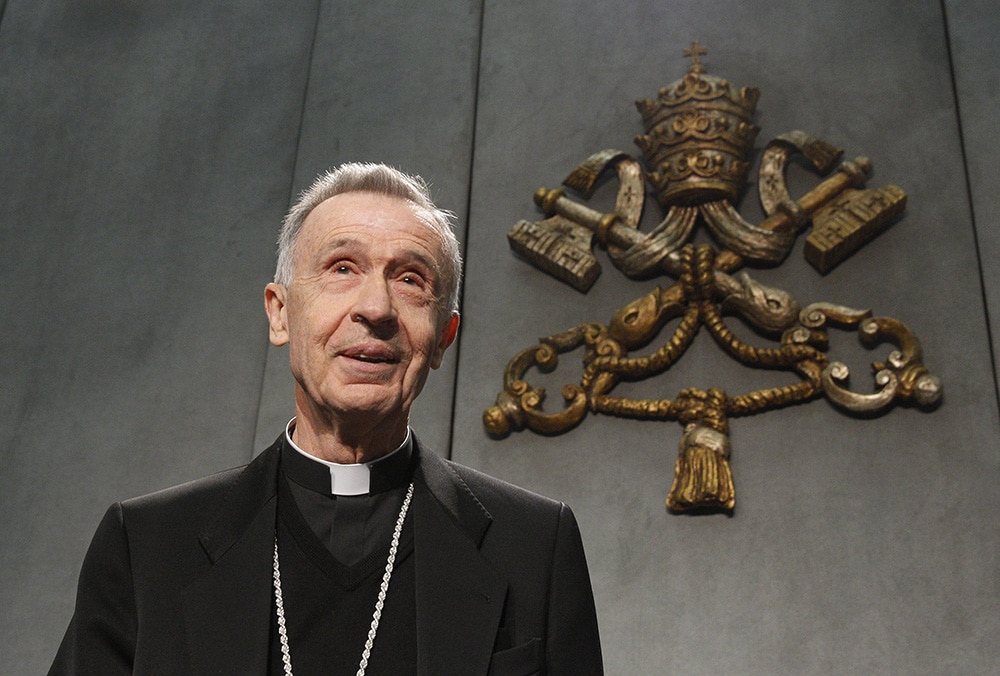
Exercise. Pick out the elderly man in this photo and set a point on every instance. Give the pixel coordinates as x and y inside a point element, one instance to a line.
<point>346,546</point>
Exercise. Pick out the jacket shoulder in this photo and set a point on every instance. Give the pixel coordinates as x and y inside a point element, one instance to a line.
<point>197,491</point>
<point>203,493</point>
<point>514,513</point>
<point>219,505</point>
<point>496,492</point>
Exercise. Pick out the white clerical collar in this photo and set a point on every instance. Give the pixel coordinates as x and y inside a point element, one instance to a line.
<point>353,478</point>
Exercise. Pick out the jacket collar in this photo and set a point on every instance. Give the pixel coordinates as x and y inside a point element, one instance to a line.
<point>228,625</point>
<point>250,491</point>
<point>459,593</point>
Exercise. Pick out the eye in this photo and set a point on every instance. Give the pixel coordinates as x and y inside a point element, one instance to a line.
<point>414,282</point>
<point>413,279</point>
<point>340,266</point>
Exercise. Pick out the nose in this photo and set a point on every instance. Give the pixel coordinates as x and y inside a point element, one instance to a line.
<point>373,304</point>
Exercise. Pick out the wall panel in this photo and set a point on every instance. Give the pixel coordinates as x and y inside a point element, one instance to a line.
<point>976,58</point>
<point>390,82</point>
<point>148,152</point>
<point>857,545</point>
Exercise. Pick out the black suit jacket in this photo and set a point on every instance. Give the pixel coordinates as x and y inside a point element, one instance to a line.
<point>179,581</point>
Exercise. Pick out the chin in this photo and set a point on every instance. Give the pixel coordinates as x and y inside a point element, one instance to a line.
<point>367,406</point>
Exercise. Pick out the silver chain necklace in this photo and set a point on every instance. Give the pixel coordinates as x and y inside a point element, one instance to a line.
<point>286,656</point>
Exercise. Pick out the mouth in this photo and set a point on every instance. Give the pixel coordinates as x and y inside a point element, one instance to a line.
<point>370,359</point>
<point>371,354</point>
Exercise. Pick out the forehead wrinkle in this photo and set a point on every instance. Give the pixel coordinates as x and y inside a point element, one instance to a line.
<point>326,248</point>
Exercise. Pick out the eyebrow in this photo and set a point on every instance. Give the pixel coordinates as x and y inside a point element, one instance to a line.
<point>409,256</point>
<point>330,247</point>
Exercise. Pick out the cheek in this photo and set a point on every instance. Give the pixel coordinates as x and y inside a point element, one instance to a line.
<point>431,336</point>
<point>317,319</point>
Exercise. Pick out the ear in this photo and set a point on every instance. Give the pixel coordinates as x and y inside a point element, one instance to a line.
<point>277,317</point>
<point>448,335</point>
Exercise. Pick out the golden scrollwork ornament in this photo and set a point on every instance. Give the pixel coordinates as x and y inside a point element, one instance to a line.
<point>699,135</point>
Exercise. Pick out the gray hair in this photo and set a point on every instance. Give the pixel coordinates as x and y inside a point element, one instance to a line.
<point>382,180</point>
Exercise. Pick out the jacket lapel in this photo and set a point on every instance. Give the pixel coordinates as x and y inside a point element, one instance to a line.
<point>228,608</point>
<point>459,593</point>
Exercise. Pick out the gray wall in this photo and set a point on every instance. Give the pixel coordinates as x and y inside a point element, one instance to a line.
<point>150,149</point>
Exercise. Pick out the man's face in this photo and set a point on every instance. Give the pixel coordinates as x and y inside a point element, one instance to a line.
<point>364,316</point>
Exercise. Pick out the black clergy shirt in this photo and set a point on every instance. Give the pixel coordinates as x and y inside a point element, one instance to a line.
<point>333,551</point>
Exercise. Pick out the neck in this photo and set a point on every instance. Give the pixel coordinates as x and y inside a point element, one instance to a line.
<point>335,441</point>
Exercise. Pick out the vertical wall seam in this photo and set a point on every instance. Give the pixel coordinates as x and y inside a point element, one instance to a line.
<point>468,211</point>
<point>971,201</point>
<point>291,198</point>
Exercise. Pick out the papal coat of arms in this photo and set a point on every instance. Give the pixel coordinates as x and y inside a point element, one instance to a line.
<point>699,134</point>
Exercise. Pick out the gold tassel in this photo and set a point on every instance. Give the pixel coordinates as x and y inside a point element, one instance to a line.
<point>702,477</point>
